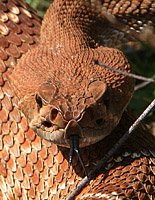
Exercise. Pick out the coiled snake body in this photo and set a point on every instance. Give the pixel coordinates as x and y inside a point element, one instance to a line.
<point>57,90</point>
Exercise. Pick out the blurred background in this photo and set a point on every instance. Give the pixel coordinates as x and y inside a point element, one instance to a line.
<point>142,58</point>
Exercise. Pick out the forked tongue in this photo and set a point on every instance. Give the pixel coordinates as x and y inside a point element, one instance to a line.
<point>74,146</point>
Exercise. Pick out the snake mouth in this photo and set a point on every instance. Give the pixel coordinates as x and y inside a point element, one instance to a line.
<point>57,136</point>
<point>61,136</point>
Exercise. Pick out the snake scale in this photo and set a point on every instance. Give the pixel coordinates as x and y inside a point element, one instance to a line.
<point>55,91</point>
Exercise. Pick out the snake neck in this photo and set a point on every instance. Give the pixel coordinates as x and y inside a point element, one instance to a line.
<point>69,25</point>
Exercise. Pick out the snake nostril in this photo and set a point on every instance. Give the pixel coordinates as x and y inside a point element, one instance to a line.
<point>47,124</point>
<point>54,113</point>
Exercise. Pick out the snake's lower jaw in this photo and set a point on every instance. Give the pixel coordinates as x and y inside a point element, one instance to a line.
<point>57,137</point>
<point>61,136</point>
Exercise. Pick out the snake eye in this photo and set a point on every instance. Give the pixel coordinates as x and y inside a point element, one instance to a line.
<point>38,100</point>
<point>106,99</point>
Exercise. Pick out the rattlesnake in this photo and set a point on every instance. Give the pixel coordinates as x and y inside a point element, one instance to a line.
<point>62,92</point>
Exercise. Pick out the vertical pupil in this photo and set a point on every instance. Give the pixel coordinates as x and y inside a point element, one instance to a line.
<point>38,100</point>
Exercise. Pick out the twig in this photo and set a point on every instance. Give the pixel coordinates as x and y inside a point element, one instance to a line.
<point>125,73</point>
<point>102,163</point>
<point>141,85</point>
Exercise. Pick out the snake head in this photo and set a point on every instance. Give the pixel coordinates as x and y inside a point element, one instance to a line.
<point>77,97</point>
<point>58,117</point>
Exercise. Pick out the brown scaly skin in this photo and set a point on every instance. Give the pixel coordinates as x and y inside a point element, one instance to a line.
<point>69,86</point>
<point>128,20</point>
<point>33,168</point>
